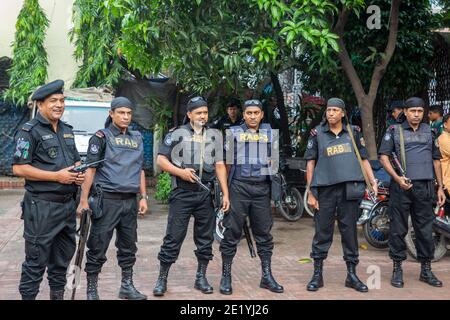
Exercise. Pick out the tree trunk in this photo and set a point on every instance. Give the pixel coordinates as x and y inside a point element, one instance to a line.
<point>366,105</point>
<point>286,144</point>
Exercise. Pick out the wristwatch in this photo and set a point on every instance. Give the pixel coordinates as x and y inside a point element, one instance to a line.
<point>143,196</point>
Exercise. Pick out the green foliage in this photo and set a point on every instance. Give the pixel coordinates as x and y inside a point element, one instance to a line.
<point>95,34</point>
<point>212,43</point>
<point>29,67</point>
<point>163,187</point>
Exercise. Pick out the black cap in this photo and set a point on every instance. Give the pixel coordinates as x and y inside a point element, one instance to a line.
<point>396,104</point>
<point>253,103</point>
<point>48,89</point>
<point>336,102</point>
<point>195,103</point>
<point>414,102</point>
<point>120,102</point>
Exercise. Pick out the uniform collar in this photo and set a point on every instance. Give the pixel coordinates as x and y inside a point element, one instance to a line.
<point>326,127</point>
<point>188,125</point>
<point>238,119</point>
<point>405,125</point>
<point>116,131</point>
<point>44,121</point>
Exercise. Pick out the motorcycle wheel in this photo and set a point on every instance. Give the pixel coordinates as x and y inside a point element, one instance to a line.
<point>440,243</point>
<point>308,209</point>
<point>291,204</point>
<point>376,228</point>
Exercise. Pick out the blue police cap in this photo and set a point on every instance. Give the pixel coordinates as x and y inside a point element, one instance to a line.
<point>48,89</point>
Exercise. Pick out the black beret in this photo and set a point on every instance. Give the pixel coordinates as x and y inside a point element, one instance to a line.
<point>43,92</point>
<point>120,102</point>
<point>414,102</point>
<point>253,103</point>
<point>336,102</point>
<point>396,104</point>
<point>195,103</point>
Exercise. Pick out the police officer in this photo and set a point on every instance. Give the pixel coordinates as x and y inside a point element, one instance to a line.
<point>395,112</point>
<point>232,118</point>
<point>336,180</point>
<point>249,181</point>
<point>44,154</point>
<point>191,151</point>
<point>117,183</point>
<point>421,162</point>
<point>435,114</point>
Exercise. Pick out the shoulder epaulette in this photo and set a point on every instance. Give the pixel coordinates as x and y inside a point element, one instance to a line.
<point>29,125</point>
<point>313,132</point>
<point>100,134</point>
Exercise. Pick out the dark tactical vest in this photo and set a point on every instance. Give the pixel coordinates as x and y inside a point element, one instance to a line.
<point>418,151</point>
<point>187,152</point>
<point>124,154</point>
<point>249,159</point>
<point>337,161</point>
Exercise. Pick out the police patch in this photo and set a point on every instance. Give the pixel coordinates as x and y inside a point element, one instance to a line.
<point>47,137</point>
<point>22,147</point>
<point>52,153</point>
<point>168,139</point>
<point>94,149</point>
<point>387,136</point>
<point>310,144</point>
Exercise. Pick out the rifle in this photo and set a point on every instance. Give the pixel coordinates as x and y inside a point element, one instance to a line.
<point>399,167</point>
<point>248,237</point>
<point>83,167</point>
<point>85,223</point>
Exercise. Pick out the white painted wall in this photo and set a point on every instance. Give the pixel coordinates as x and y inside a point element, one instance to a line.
<point>62,65</point>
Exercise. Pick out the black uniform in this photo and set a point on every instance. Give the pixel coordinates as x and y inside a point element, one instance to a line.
<point>188,198</point>
<point>48,207</point>
<point>224,123</point>
<point>337,169</point>
<point>421,149</point>
<point>249,193</point>
<point>116,184</point>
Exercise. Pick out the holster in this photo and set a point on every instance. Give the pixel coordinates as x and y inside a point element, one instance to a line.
<point>217,194</point>
<point>275,187</point>
<point>95,201</point>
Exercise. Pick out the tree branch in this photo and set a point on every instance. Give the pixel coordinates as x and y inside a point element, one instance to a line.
<point>344,57</point>
<point>380,68</point>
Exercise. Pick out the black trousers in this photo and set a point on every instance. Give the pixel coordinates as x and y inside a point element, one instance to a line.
<point>251,200</point>
<point>121,215</point>
<point>417,202</point>
<point>332,204</point>
<point>49,232</point>
<point>182,205</point>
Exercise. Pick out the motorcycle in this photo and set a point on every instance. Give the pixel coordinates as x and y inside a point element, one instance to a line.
<point>292,180</point>
<point>374,217</point>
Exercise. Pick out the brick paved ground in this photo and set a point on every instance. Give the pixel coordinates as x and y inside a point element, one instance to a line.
<point>292,242</point>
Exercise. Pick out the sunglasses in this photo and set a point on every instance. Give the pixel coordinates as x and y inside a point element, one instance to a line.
<point>196,99</point>
<point>254,102</point>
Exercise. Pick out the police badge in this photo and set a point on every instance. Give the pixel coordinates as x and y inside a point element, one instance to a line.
<point>52,153</point>
<point>93,149</point>
<point>168,139</point>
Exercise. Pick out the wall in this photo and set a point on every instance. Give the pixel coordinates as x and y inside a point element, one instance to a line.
<point>62,65</point>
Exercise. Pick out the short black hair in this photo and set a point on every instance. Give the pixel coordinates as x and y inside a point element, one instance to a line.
<point>234,103</point>
<point>437,108</point>
<point>446,117</point>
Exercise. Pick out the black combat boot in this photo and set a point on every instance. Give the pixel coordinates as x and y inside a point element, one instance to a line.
<point>161,283</point>
<point>225,282</point>
<point>352,280</point>
<point>427,276</point>
<point>397,275</point>
<point>317,278</point>
<point>127,289</point>
<point>56,294</point>
<point>267,279</point>
<point>201,283</point>
<point>91,290</point>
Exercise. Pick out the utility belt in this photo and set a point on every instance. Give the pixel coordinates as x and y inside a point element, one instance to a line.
<point>252,182</point>
<point>54,197</point>
<point>193,186</point>
<point>118,195</point>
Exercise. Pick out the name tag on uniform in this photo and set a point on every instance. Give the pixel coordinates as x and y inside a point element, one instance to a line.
<point>338,149</point>
<point>124,142</point>
<point>68,135</point>
<point>253,137</point>
<point>47,137</point>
